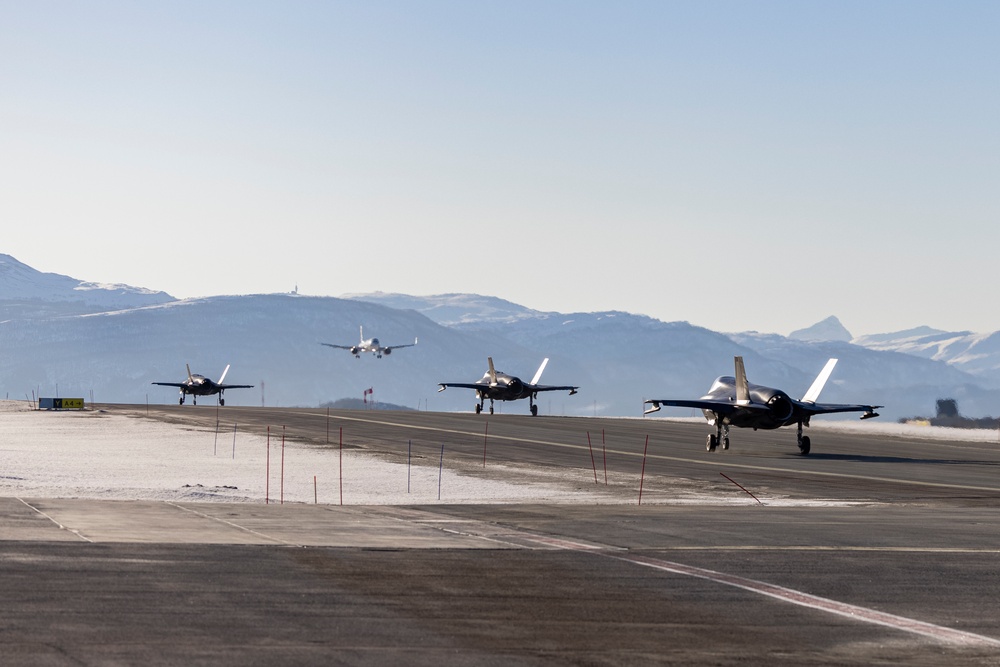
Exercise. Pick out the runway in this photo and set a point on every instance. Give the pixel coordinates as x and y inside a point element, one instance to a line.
<point>872,550</point>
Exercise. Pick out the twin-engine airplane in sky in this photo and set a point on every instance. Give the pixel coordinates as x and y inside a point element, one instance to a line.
<point>498,386</point>
<point>199,385</point>
<point>732,401</point>
<point>371,345</point>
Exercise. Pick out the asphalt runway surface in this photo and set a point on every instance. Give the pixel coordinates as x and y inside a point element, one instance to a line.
<point>872,550</point>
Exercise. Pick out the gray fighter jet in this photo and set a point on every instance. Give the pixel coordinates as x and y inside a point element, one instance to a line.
<point>732,401</point>
<point>498,386</point>
<point>199,385</point>
<point>371,345</point>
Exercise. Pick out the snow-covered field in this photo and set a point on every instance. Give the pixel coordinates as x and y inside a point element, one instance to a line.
<point>93,454</point>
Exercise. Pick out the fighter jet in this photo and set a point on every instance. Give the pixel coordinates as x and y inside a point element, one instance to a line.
<point>199,385</point>
<point>498,386</point>
<point>732,401</point>
<point>371,345</point>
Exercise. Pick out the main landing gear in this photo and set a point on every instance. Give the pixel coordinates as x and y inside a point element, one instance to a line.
<point>803,441</point>
<point>479,406</point>
<point>720,437</point>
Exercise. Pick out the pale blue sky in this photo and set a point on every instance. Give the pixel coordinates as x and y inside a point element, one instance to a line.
<point>739,165</point>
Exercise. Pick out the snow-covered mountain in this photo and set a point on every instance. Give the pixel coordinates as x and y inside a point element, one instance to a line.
<point>976,354</point>
<point>453,309</point>
<point>26,293</point>
<point>828,329</point>
<point>273,341</point>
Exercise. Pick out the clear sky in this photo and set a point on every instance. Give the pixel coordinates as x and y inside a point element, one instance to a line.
<point>739,165</point>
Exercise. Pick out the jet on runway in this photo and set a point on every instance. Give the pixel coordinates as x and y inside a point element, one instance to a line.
<point>732,401</point>
<point>498,386</point>
<point>199,385</point>
<point>371,345</point>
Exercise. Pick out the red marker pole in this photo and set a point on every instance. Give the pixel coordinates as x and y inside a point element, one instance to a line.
<point>282,465</point>
<point>642,478</point>
<point>592,463</point>
<point>267,469</point>
<point>341,465</point>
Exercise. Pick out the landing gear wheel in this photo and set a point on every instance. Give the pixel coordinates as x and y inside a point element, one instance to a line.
<point>804,445</point>
<point>725,442</point>
<point>479,408</point>
<point>222,401</point>
<point>491,409</point>
<point>711,443</point>
<point>181,402</point>
<point>534,410</point>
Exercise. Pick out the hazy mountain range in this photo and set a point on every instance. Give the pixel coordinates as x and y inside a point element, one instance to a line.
<point>66,337</point>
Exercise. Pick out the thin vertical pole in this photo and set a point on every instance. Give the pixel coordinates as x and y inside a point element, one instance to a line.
<point>486,435</point>
<point>315,493</point>
<point>328,426</point>
<point>234,440</point>
<point>282,465</point>
<point>409,452</point>
<point>592,462</point>
<point>267,468</point>
<point>604,447</point>
<point>440,470</point>
<point>341,465</point>
<point>642,477</point>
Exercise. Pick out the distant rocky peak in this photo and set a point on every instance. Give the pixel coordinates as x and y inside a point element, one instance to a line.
<point>827,330</point>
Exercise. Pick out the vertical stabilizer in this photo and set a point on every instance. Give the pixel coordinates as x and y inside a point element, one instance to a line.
<point>538,373</point>
<point>361,333</point>
<point>819,382</point>
<point>493,371</point>
<point>223,378</point>
<point>742,386</point>
<point>190,377</point>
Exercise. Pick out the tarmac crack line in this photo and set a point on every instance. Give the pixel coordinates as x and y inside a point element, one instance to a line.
<point>938,632</point>
<point>61,527</point>
<point>234,525</point>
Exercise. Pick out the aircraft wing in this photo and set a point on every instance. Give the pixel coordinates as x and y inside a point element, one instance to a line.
<point>718,407</point>
<point>234,386</point>
<point>463,385</point>
<point>396,347</point>
<point>545,387</point>
<point>828,408</point>
<point>340,347</point>
<point>170,384</point>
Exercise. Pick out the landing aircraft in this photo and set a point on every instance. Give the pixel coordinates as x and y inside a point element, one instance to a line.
<point>371,345</point>
<point>735,402</point>
<point>498,386</point>
<point>199,385</point>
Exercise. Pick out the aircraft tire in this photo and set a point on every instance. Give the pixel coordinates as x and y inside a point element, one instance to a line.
<point>725,442</point>
<point>534,410</point>
<point>479,408</point>
<point>711,443</point>
<point>804,445</point>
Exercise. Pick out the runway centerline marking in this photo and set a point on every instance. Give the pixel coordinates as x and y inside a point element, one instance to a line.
<point>665,457</point>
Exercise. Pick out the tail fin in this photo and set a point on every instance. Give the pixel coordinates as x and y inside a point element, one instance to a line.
<point>819,382</point>
<point>188,366</point>
<point>361,333</point>
<point>493,371</point>
<point>223,378</point>
<point>538,373</point>
<point>742,386</point>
